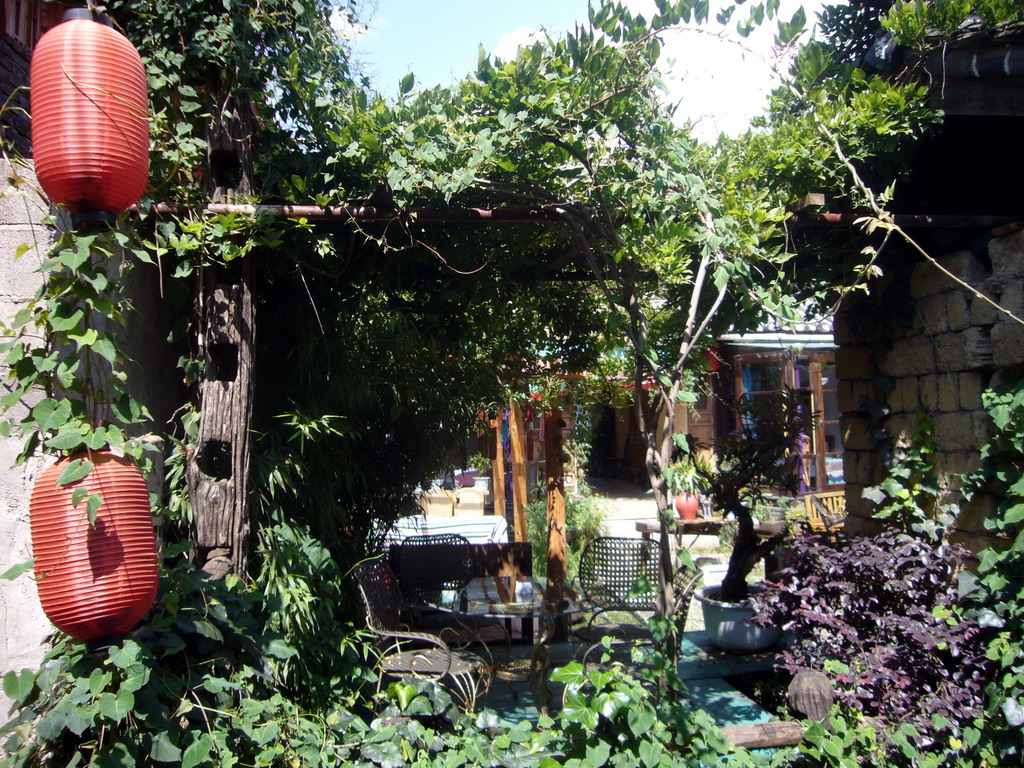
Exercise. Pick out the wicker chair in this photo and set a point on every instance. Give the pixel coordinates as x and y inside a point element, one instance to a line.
<point>469,502</point>
<point>415,654</point>
<point>620,575</point>
<point>437,502</point>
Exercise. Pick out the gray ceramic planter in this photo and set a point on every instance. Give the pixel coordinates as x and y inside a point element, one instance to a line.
<point>729,625</point>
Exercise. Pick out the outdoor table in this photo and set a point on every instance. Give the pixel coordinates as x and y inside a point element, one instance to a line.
<point>712,526</point>
<point>535,670</point>
<point>707,526</point>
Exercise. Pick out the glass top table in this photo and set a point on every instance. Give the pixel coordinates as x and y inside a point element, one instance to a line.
<point>547,614</point>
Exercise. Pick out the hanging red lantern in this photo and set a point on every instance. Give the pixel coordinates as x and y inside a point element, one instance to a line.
<point>95,579</point>
<point>90,117</point>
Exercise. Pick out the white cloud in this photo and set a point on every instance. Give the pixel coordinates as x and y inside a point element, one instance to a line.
<point>350,32</point>
<point>719,79</point>
<point>510,42</point>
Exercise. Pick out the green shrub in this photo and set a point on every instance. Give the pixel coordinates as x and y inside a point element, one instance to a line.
<point>583,521</point>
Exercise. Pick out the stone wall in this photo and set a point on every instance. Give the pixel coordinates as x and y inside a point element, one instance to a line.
<point>922,340</point>
<point>13,77</point>
<point>23,626</point>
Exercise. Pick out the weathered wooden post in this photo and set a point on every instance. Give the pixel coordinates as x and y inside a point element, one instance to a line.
<point>517,433</point>
<point>554,465</point>
<point>218,468</point>
<point>498,470</point>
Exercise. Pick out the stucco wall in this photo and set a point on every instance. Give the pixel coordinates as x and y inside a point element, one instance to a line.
<point>921,340</point>
<point>23,626</point>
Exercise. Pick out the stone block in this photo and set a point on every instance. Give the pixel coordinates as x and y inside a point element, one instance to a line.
<point>949,349</point>
<point>856,504</point>
<point>953,463</point>
<point>19,278</point>
<point>975,512</point>
<point>970,389</point>
<point>841,334</point>
<point>949,392</point>
<point>1007,255</point>
<point>909,395</point>
<point>958,310</point>
<point>928,280</point>
<point>975,542</point>
<point>20,203</point>
<point>955,431</point>
<point>931,314</point>
<point>895,399</point>
<point>854,361</point>
<point>854,395</point>
<point>846,396</point>
<point>982,428</point>
<point>1007,344</point>
<point>911,356</point>
<point>856,432</point>
<point>1011,299</point>
<point>966,350</point>
<point>862,468</point>
<point>902,427</point>
<point>983,312</point>
<point>928,392</point>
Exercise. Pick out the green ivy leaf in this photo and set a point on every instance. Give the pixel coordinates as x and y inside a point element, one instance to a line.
<point>117,707</point>
<point>198,752</point>
<point>76,470</point>
<point>62,323</point>
<point>164,750</point>
<point>16,570</point>
<point>18,686</point>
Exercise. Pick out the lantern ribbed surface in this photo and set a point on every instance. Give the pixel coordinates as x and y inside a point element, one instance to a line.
<point>90,122</point>
<point>100,579</point>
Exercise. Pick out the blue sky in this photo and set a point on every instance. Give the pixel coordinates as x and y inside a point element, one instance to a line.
<point>719,80</point>
<point>438,39</point>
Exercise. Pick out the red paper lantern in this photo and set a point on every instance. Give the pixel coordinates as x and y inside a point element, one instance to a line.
<point>90,117</point>
<point>94,579</point>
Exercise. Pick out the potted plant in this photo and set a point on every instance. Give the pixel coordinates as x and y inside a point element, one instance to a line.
<point>482,465</point>
<point>685,480</point>
<point>761,456</point>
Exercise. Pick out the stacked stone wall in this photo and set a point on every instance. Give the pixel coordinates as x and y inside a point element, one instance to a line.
<point>923,340</point>
<point>13,77</point>
<point>23,626</point>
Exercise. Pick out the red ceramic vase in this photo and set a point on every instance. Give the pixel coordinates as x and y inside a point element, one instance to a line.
<point>687,506</point>
<point>90,118</point>
<point>99,579</point>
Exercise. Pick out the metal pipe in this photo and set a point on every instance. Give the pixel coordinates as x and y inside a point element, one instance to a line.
<point>503,214</point>
<point>906,220</point>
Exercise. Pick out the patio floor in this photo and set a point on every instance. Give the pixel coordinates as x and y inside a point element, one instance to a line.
<point>702,667</point>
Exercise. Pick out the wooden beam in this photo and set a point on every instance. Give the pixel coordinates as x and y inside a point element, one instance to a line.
<point>517,433</point>
<point>780,733</point>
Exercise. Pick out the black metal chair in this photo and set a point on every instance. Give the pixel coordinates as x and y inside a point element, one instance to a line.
<point>618,578</point>
<point>405,653</point>
<point>431,565</point>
